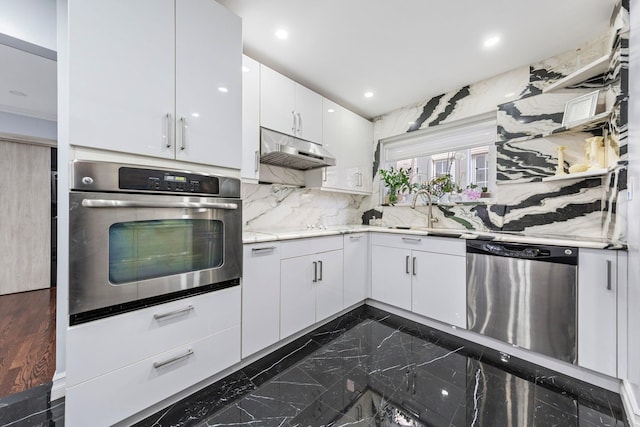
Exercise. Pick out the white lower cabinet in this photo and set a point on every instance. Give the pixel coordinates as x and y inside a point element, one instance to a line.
<point>356,264</point>
<point>597,310</point>
<point>260,297</point>
<point>391,276</point>
<point>439,287</point>
<point>311,284</point>
<point>426,275</point>
<point>129,390</point>
<point>110,362</point>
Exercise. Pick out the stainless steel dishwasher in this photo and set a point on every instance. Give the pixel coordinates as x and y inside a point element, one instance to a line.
<point>525,295</point>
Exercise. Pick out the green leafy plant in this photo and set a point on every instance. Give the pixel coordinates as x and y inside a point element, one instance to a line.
<point>441,185</point>
<point>397,181</point>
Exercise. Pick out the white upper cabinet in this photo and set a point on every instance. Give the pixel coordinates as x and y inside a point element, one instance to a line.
<point>250,119</point>
<point>208,84</point>
<point>349,137</point>
<point>288,107</point>
<point>158,78</point>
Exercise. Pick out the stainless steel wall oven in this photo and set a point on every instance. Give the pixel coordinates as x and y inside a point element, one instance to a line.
<point>142,236</point>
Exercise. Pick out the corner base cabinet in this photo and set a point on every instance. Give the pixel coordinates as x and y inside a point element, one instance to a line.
<point>121,365</point>
<point>422,274</point>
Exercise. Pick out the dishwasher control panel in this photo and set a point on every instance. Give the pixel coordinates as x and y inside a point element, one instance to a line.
<point>559,254</point>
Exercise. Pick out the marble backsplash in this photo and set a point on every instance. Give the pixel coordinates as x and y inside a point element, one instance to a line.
<point>274,206</point>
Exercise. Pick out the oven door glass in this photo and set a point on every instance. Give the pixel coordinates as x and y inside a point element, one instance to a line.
<point>141,250</point>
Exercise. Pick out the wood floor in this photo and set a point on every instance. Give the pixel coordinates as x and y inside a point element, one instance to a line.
<point>27,340</point>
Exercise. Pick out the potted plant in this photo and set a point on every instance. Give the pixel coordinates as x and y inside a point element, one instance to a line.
<point>397,181</point>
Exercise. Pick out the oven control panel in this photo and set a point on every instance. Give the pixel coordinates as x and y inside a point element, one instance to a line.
<point>167,181</point>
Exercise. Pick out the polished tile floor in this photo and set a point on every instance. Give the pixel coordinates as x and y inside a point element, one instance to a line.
<point>370,368</point>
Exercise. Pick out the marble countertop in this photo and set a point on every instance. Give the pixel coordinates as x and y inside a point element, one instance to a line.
<point>277,234</point>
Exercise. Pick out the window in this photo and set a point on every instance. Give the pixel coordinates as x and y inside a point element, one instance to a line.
<point>464,150</point>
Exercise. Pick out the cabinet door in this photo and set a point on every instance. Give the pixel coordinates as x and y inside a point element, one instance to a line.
<point>363,152</point>
<point>356,254</point>
<point>439,287</point>
<point>329,287</point>
<point>208,84</point>
<point>260,297</point>
<point>391,276</point>
<point>121,75</point>
<point>250,118</point>
<point>331,122</point>
<point>297,294</point>
<point>277,101</point>
<point>597,327</point>
<point>308,109</point>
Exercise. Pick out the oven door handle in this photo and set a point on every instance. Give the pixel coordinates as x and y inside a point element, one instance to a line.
<point>101,203</point>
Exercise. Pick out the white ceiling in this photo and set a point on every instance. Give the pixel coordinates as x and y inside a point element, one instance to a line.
<point>406,51</point>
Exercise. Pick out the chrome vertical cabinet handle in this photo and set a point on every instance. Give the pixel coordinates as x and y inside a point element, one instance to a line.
<point>183,133</point>
<point>295,125</point>
<point>257,161</point>
<point>320,264</point>
<point>299,128</point>
<point>166,137</point>
<point>609,279</point>
<point>406,264</point>
<point>315,272</point>
<point>413,266</point>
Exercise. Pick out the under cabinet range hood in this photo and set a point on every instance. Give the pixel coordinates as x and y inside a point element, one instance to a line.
<point>290,152</point>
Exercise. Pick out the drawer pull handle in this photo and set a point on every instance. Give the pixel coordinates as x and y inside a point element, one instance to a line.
<point>266,248</point>
<point>355,237</point>
<point>411,239</point>
<point>158,365</point>
<point>173,313</point>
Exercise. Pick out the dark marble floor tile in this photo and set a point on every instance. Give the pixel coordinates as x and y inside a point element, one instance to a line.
<point>280,360</point>
<point>203,403</point>
<point>547,415</point>
<point>32,407</point>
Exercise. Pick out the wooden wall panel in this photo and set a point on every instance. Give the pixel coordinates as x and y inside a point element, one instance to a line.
<point>25,217</point>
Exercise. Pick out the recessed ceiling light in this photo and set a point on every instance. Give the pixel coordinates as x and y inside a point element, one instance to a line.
<point>282,34</point>
<point>331,110</point>
<point>509,95</point>
<point>245,69</point>
<point>223,89</point>
<point>17,93</point>
<point>491,41</point>
<point>368,94</point>
<point>195,115</point>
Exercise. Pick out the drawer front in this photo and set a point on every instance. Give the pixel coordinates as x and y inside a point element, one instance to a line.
<point>314,245</point>
<point>102,346</point>
<point>120,394</point>
<point>441,245</point>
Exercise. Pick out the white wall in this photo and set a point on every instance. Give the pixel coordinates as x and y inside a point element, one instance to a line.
<point>33,21</point>
<point>633,301</point>
<point>28,126</point>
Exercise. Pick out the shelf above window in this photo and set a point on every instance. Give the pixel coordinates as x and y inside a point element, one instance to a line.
<point>587,174</point>
<point>590,70</point>
<point>586,125</point>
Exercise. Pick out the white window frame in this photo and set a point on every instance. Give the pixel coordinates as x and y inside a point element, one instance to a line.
<point>467,136</point>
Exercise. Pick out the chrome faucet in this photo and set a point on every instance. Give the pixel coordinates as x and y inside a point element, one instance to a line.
<point>430,218</point>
